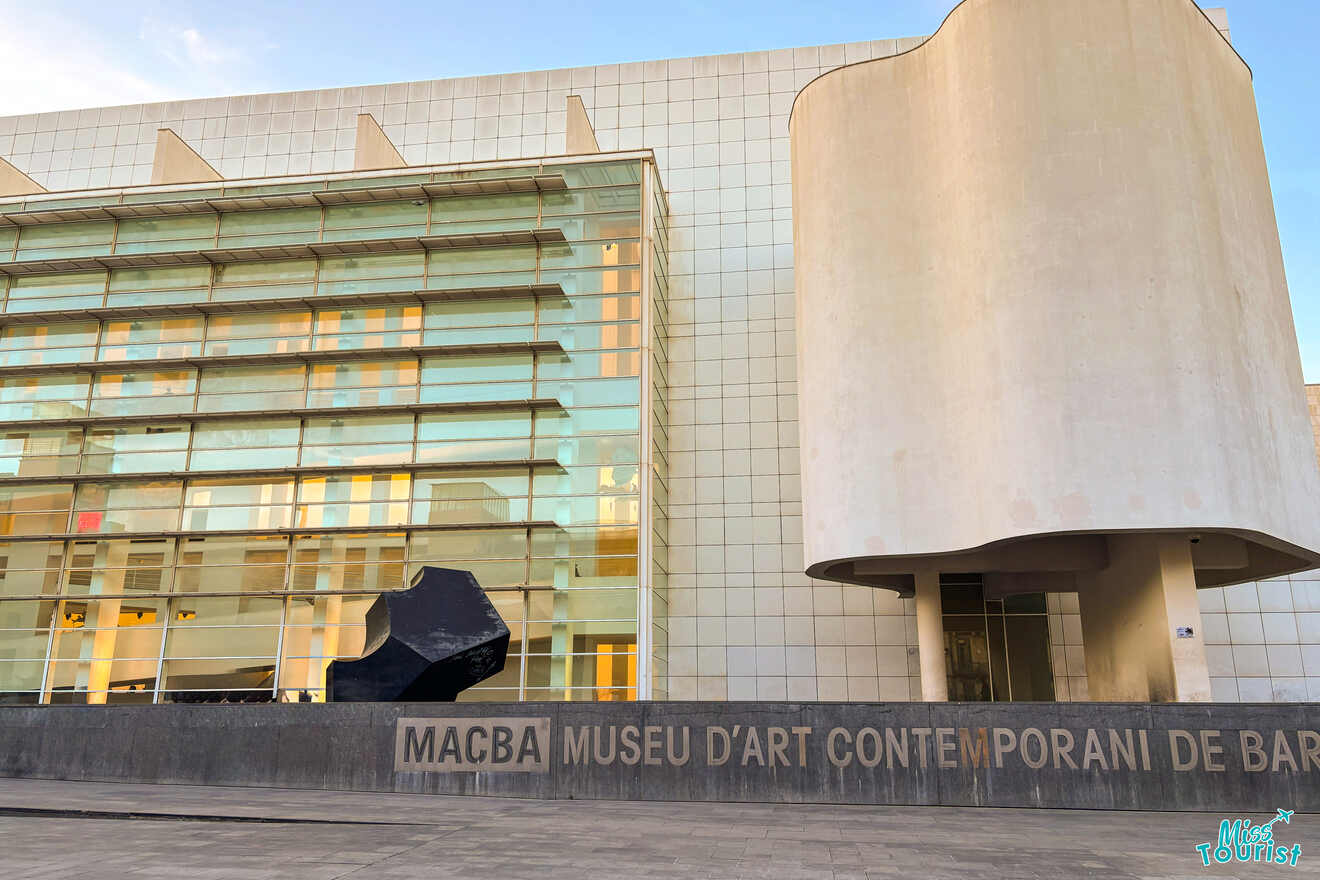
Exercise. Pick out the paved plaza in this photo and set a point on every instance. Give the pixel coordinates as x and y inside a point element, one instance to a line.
<point>105,831</point>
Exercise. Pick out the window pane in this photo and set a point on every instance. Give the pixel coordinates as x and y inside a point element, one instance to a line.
<point>172,284</point>
<point>348,562</point>
<point>39,452</point>
<point>118,566</point>
<point>133,393</point>
<point>229,564</point>
<point>34,510</point>
<point>32,293</point>
<point>29,568</point>
<point>136,448</point>
<point>48,343</point>
<point>59,240</point>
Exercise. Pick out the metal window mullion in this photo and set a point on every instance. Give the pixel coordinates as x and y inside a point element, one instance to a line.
<point>522,653</point>
<point>279,647</point>
<point>164,632</point>
<point>50,646</point>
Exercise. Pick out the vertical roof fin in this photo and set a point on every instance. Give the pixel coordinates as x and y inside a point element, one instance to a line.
<point>176,162</point>
<point>15,183</point>
<point>373,149</point>
<point>580,137</point>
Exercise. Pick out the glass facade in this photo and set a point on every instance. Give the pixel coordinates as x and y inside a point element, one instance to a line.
<point>230,417</point>
<point>995,649</point>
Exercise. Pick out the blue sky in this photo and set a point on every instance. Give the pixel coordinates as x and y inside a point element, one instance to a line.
<point>130,52</point>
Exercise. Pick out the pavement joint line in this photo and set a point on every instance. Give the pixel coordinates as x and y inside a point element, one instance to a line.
<point>66,813</point>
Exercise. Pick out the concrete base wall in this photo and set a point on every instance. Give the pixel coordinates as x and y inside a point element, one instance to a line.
<point>1217,757</point>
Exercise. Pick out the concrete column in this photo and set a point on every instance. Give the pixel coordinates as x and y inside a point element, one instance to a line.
<point>930,638</point>
<point>1131,614</point>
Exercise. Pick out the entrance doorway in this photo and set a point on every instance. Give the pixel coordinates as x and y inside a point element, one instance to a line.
<point>995,650</point>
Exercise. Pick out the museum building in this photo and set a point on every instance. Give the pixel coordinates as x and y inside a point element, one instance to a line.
<point>951,368</point>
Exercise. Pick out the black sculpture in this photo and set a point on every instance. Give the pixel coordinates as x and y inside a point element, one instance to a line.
<point>426,643</point>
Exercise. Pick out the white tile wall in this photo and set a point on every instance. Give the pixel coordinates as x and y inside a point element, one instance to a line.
<point>745,622</point>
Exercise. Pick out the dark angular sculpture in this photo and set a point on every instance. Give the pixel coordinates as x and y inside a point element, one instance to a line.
<point>426,643</point>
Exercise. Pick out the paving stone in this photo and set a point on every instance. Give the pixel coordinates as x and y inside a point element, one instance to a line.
<point>308,835</point>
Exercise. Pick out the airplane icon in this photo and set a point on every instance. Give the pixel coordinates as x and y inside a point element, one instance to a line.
<point>1285,815</point>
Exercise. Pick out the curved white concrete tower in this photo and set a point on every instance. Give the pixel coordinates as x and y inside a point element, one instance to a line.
<point>1043,327</point>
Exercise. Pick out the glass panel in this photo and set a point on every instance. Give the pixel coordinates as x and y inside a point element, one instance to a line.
<point>233,505</point>
<point>464,209</point>
<point>588,227</point>
<point>592,336</point>
<point>259,333</point>
<point>30,568</point>
<point>27,615</point>
<point>363,383</point>
<point>118,566</point>
<point>472,497</point>
<point>573,573</point>
<point>34,510</point>
<point>264,279</point>
<point>461,261</point>
<point>211,641</point>
<point>446,547</point>
<point>598,173</point>
<point>39,452</point>
<point>1027,603</point>
<point>232,564</point>
<point>150,234</point>
<point>116,394</point>
<point>228,680</point>
<point>234,389</point>
<point>596,200</point>
<point>353,500</point>
<point>477,368</point>
<point>245,444</point>
<point>578,254</point>
<point>152,338</point>
<point>162,284</point>
<point>612,420</point>
<point>43,397</point>
<point>1030,668</point>
<point>480,312</point>
<point>48,343</point>
<point>611,674</point>
<point>579,281</point>
<point>967,653</point>
<point>103,681</point>
<point>271,226</point>
<point>554,605</point>
<point>370,272</point>
<point>558,543</point>
<point>70,290</point>
<point>607,449</point>
<point>136,448</point>
<point>22,675</point>
<point>349,562</point>
<point>591,308</point>
<point>60,240</point>
<point>376,440</point>
<point>381,327</point>
<point>118,507</point>
<point>375,220</point>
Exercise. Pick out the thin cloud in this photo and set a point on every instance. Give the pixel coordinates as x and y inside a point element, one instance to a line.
<point>51,65</point>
